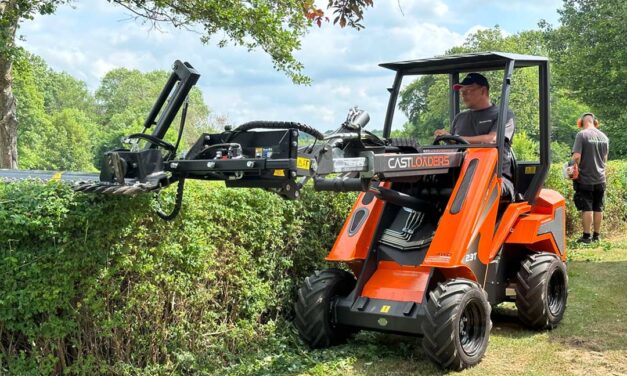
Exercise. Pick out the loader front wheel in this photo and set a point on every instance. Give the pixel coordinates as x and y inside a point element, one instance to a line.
<point>457,325</point>
<point>314,304</point>
<point>541,291</point>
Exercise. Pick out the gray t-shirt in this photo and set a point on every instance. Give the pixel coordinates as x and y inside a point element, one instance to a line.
<point>477,123</point>
<point>593,145</point>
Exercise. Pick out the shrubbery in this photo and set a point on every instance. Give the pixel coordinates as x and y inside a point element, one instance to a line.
<point>101,285</point>
<point>615,199</point>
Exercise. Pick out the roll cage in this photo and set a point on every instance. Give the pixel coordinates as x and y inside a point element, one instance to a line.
<point>453,66</point>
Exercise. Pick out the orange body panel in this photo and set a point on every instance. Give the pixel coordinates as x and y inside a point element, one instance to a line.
<point>511,215</point>
<point>475,220</point>
<point>544,228</point>
<point>392,281</point>
<point>349,247</point>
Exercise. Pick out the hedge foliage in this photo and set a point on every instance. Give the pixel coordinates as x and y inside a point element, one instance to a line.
<point>615,212</point>
<point>94,284</point>
<point>100,285</point>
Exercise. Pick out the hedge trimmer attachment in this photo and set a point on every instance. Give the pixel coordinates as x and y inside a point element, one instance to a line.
<point>262,154</point>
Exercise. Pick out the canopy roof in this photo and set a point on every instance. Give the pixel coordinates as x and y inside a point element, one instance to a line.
<point>482,61</point>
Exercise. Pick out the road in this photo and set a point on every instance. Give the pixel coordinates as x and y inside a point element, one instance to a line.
<point>70,176</point>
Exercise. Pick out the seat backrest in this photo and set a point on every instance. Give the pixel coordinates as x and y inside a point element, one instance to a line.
<point>525,172</point>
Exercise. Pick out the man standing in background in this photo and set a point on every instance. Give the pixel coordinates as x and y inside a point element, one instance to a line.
<point>590,154</point>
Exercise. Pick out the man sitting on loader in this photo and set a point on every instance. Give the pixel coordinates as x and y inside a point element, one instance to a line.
<point>478,125</point>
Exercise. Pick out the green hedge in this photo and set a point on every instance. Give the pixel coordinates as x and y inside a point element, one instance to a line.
<point>100,285</point>
<point>94,284</point>
<point>615,200</point>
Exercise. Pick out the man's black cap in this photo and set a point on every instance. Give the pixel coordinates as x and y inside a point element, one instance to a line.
<point>472,78</point>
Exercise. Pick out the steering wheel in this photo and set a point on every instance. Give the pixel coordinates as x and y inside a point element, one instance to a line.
<point>450,139</point>
<point>155,141</point>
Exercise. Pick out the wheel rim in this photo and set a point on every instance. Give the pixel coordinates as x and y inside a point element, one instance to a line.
<point>556,292</point>
<point>472,327</point>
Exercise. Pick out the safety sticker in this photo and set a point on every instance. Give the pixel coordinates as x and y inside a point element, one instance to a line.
<point>303,163</point>
<point>530,170</point>
<point>385,309</point>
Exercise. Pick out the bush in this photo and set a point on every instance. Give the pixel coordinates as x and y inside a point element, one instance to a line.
<point>95,284</point>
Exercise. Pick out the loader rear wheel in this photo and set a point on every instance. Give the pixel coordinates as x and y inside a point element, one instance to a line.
<point>314,304</point>
<point>541,291</point>
<point>457,324</point>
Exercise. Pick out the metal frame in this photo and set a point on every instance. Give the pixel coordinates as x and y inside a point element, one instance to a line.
<point>453,65</point>
<point>186,77</point>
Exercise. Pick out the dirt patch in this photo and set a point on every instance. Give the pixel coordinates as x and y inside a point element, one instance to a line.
<point>588,344</point>
<point>588,363</point>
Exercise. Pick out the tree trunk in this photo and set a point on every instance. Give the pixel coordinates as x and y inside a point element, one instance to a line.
<point>8,117</point>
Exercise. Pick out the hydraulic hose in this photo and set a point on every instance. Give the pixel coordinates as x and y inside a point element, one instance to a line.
<point>279,125</point>
<point>339,184</point>
<point>177,203</point>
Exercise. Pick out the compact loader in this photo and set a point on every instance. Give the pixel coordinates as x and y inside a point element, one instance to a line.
<point>430,244</point>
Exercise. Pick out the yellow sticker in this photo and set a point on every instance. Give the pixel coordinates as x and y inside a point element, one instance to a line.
<point>385,309</point>
<point>529,170</point>
<point>279,173</point>
<point>56,176</point>
<point>303,163</point>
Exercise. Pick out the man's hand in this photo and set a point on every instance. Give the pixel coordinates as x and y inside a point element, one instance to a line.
<point>440,132</point>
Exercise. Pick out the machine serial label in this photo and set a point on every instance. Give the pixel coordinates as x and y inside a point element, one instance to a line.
<point>303,163</point>
<point>385,309</point>
<point>530,170</point>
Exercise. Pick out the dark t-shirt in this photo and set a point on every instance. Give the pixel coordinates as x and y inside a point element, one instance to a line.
<point>593,145</point>
<point>477,123</point>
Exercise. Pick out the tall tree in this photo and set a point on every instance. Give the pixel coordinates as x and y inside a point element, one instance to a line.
<point>56,115</point>
<point>275,26</point>
<point>589,53</point>
<point>425,101</point>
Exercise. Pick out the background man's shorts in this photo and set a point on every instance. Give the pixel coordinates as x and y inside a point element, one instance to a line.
<point>589,197</point>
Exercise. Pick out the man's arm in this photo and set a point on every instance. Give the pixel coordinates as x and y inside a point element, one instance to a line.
<point>489,138</point>
<point>577,148</point>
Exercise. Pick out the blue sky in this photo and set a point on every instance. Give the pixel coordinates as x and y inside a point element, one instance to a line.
<point>92,37</point>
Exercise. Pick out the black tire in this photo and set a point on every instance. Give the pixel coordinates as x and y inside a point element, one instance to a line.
<point>313,308</point>
<point>457,325</point>
<point>541,291</point>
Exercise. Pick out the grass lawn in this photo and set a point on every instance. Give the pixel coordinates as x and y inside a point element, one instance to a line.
<point>591,340</point>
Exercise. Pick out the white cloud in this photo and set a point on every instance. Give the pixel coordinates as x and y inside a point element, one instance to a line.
<point>97,36</point>
<point>100,67</point>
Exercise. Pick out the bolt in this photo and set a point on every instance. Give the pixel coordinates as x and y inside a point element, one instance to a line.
<point>211,164</point>
<point>294,143</point>
<point>293,173</point>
